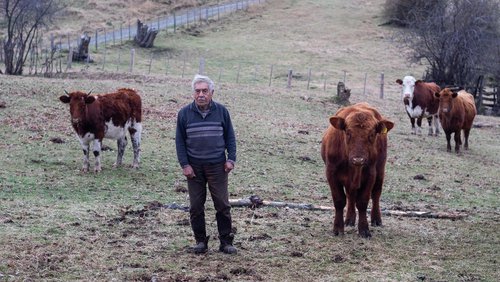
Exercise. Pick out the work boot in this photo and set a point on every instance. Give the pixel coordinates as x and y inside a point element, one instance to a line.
<point>226,245</point>
<point>201,247</point>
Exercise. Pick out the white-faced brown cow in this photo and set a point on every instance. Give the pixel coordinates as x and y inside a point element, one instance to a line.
<point>418,98</point>
<point>95,117</point>
<point>456,112</point>
<point>354,149</point>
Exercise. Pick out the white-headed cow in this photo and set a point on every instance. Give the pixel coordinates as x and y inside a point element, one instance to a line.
<point>95,117</point>
<point>418,98</point>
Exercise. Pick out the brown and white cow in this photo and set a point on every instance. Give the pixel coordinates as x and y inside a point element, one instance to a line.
<point>95,117</point>
<point>418,98</point>
<point>456,112</point>
<point>354,149</point>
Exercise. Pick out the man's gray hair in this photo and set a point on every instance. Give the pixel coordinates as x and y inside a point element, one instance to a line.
<point>201,78</point>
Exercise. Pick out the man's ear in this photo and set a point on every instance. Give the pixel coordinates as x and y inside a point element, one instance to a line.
<point>337,122</point>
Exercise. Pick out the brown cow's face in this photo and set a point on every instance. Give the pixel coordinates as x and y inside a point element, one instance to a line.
<point>446,97</point>
<point>361,133</point>
<point>77,103</point>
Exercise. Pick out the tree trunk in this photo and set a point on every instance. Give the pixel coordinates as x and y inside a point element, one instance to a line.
<point>145,36</point>
<point>82,53</point>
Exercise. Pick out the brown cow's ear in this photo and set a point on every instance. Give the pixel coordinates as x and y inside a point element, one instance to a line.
<point>454,94</point>
<point>384,126</point>
<point>89,99</point>
<point>337,122</point>
<point>65,99</point>
<point>399,81</point>
<point>436,94</point>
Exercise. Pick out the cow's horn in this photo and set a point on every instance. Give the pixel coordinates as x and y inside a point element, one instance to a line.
<point>66,92</point>
<point>89,92</point>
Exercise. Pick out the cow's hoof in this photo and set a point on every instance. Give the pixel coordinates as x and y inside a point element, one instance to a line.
<point>365,233</point>
<point>376,222</point>
<point>350,222</point>
<point>338,232</point>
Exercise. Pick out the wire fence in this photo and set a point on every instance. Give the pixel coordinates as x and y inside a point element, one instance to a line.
<point>112,53</point>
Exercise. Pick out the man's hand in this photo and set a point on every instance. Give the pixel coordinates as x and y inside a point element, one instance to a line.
<point>228,166</point>
<point>188,171</point>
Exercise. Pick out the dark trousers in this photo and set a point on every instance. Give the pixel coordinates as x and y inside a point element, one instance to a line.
<point>216,178</point>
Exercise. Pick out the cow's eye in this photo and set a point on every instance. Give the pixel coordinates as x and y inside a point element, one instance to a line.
<point>349,134</point>
<point>371,137</point>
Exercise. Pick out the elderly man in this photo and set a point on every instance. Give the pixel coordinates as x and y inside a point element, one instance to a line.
<point>206,150</point>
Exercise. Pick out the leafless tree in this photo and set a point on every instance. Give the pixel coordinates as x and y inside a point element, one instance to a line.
<point>23,20</point>
<point>459,39</point>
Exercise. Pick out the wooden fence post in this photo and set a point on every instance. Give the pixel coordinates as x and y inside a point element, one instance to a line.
<point>121,33</point>
<point>324,83</point>
<point>183,66</point>
<point>70,58</point>
<point>289,82</point>
<point>132,58</point>
<point>201,69</point>
<point>364,85</point>
<point>382,86</point>
<point>175,23</point>
<point>308,79</point>
<point>271,75</point>
<point>104,60</point>
<point>238,73</point>
<point>95,39</point>
<point>119,60</point>
<point>150,63</point>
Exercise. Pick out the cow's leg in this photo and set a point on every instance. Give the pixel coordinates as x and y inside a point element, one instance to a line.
<point>448,139</point>
<point>339,201</point>
<point>97,155</point>
<point>466,139</point>
<point>413,129</point>
<point>437,125</point>
<point>121,144</point>
<point>419,125</point>
<point>86,162</point>
<point>458,141</point>
<point>375,214</point>
<point>429,121</point>
<point>135,135</point>
<point>350,218</point>
<point>362,205</point>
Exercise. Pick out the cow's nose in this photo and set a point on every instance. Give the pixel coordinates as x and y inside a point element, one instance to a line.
<point>358,161</point>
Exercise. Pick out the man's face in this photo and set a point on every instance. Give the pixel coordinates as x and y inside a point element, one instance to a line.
<point>202,95</point>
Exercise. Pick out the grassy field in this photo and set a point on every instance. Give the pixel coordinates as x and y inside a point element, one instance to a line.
<point>59,224</point>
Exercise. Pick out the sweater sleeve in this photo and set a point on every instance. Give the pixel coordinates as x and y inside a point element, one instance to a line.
<point>230,137</point>
<point>180,140</point>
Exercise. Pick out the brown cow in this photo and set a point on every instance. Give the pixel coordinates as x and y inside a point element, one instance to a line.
<point>456,112</point>
<point>354,149</point>
<point>95,117</point>
<point>418,98</point>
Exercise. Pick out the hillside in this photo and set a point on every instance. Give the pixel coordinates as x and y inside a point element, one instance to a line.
<point>59,224</point>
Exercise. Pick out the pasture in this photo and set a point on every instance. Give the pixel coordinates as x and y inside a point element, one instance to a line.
<point>57,223</point>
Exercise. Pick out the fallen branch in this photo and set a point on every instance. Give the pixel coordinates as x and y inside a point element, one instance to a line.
<point>255,202</point>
